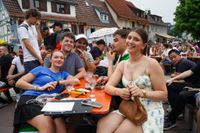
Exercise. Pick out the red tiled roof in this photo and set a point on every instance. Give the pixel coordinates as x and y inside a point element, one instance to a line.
<point>121,9</point>
<point>13,8</point>
<point>86,13</point>
<point>139,19</point>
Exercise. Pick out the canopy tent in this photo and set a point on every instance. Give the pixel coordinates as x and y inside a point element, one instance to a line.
<point>103,33</point>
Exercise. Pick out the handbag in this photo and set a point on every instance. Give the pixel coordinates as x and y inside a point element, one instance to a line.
<point>134,111</point>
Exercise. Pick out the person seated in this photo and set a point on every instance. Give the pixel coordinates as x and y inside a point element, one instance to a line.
<point>143,72</point>
<point>178,95</point>
<point>5,63</point>
<point>81,49</point>
<point>179,64</point>
<point>17,64</point>
<point>198,112</point>
<point>42,80</point>
<point>97,51</point>
<point>165,58</point>
<point>73,63</point>
<point>117,54</point>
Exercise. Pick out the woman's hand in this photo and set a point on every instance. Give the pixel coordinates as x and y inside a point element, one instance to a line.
<point>124,93</point>
<point>102,80</point>
<point>73,81</point>
<point>135,91</point>
<point>49,86</point>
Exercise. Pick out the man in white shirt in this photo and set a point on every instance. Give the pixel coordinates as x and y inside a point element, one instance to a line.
<point>17,63</point>
<point>31,39</point>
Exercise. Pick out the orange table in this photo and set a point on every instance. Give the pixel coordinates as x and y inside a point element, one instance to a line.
<point>100,95</point>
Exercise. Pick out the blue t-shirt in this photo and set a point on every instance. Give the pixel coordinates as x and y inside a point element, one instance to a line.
<point>43,76</point>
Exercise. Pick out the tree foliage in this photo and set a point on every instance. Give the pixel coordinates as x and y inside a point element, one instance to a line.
<point>187,17</point>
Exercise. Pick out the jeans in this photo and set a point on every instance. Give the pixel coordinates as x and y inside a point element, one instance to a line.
<point>29,65</point>
<point>178,97</point>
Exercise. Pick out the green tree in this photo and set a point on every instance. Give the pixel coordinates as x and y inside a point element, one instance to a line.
<point>187,17</point>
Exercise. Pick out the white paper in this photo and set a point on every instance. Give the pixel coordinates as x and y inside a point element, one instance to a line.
<point>58,107</point>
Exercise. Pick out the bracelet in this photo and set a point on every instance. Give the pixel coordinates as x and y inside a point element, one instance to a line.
<point>58,83</point>
<point>36,87</point>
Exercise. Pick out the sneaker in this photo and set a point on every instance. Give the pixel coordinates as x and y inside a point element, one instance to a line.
<point>180,117</point>
<point>169,125</point>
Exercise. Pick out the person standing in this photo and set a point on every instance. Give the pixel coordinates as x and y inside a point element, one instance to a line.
<point>31,39</point>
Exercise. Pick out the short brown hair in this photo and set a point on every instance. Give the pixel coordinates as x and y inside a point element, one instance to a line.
<point>122,32</point>
<point>34,12</point>
<point>70,35</point>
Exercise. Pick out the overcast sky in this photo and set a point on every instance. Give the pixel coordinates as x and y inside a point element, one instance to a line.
<point>163,8</point>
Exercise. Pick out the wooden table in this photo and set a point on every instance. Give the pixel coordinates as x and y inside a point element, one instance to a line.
<point>100,95</point>
<point>157,57</point>
<point>194,58</point>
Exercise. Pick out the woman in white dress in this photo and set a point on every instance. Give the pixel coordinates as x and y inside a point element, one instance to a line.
<point>148,78</point>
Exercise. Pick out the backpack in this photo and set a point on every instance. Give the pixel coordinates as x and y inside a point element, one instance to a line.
<point>24,25</point>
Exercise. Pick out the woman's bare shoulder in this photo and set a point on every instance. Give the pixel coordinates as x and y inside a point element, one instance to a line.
<point>151,61</point>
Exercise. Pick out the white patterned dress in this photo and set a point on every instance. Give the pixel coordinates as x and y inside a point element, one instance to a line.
<point>155,112</point>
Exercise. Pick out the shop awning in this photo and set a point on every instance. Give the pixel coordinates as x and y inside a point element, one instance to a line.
<point>164,35</point>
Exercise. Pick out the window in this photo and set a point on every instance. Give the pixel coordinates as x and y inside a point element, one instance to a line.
<point>81,29</point>
<point>104,17</point>
<point>133,24</point>
<point>35,3</point>
<point>74,29</point>
<point>39,4</point>
<point>92,30</point>
<point>60,8</point>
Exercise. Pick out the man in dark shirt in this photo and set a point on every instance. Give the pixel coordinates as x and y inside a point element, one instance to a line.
<point>97,51</point>
<point>5,63</point>
<point>174,89</point>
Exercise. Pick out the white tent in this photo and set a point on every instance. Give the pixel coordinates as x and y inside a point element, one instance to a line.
<point>103,33</point>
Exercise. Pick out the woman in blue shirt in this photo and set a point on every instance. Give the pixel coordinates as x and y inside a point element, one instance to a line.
<point>38,81</point>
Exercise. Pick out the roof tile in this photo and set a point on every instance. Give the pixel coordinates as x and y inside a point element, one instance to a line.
<point>13,8</point>
<point>121,9</point>
<point>86,13</point>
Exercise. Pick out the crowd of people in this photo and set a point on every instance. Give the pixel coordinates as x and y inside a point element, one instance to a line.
<point>46,61</point>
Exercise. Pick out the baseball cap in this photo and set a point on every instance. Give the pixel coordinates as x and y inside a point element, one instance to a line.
<point>81,36</point>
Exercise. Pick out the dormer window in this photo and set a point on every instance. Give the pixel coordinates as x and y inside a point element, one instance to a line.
<point>104,17</point>
<point>102,14</point>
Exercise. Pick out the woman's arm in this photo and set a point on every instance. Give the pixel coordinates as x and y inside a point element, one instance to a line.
<point>114,80</point>
<point>24,82</point>
<point>70,80</point>
<point>158,83</point>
